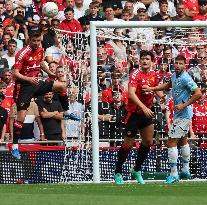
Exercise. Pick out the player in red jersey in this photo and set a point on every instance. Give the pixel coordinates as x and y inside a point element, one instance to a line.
<point>28,63</point>
<point>139,117</point>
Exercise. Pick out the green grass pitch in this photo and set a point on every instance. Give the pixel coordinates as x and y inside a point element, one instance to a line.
<point>182,193</point>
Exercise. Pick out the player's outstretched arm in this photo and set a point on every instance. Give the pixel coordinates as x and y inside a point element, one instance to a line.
<point>160,87</point>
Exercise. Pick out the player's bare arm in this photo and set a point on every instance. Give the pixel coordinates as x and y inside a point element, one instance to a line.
<point>135,99</point>
<point>195,96</point>
<point>160,87</point>
<point>19,76</point>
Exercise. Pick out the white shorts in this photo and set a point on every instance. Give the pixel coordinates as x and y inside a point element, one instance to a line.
<point>179,128</point>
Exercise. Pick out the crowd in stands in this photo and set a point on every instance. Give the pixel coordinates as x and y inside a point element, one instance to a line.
<point>67,53</point>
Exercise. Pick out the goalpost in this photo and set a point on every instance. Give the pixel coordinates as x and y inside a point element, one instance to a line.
<point>93,63</point>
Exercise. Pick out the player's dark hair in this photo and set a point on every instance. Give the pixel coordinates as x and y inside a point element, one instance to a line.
<point>35,34</point>
<point>163,2</point>
<point>68,9</point>
<point>12,41</point>
<point>180,58</point>
<point>52,62</point>
<point>144,53</point>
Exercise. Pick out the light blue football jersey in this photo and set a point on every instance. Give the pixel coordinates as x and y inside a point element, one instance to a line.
<point>182,87</point>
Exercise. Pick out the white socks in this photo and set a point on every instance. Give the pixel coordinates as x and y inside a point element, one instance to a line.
<point>185,152</point>
<point>14,146</point>
<point>173,158</point>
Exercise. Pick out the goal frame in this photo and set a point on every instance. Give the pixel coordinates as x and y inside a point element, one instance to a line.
<point>93,63</point>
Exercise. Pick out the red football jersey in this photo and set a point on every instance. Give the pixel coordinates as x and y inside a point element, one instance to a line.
<point>27,61</point>
<point>138,79</point>
<point>192,5</point>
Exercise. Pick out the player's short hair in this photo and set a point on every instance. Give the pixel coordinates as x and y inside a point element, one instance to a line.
<point>180,58</point>
<point>163,2</point>
<point>35,34</point>
<point>144,53</point>
<point>68,9</point>
<point>53,62</point>
<point>12,41</point>
<point>94,4</point>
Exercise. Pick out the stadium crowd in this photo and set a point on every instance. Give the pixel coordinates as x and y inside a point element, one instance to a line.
<point>67,53</point>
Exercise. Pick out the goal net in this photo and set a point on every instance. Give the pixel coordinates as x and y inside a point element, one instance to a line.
<point>89,60</point>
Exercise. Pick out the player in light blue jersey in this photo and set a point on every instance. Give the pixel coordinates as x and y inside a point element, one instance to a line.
<point>185,92</point>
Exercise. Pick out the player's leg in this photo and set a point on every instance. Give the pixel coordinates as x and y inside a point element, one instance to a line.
<point>185,153</point>
<point>17,132</point>
<point>61,88</point>
<point>146,134</point>
<point>178,130</point>
<point>172,158</point>
<point>22,95</point>
<point>129,139</point>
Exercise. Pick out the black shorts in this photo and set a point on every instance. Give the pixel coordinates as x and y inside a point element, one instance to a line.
<point>24,92</point>
<point>135,122</point>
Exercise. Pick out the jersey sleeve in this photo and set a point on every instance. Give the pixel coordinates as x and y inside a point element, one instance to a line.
<point>19,60</point>
<point>133,79</point>
<point>189,82</point>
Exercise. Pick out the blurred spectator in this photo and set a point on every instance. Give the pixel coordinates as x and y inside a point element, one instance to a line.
<point>199,120</point>
<point>191,7</point>
<point>70,24</point>
<point>55,23</point>
<point>181,13</point>
<point>115,4</point>
<point>116,85</point>
<point>3,65</point>
<point>28,126</point>
<point>103,83</point>
<point>155,6</point>
<point>129,6</point>
<point>3,119</point>
<point>163,10</point>
<point>142,14</point>
<point>51,114</point>
<point>167,53</point>
<point>52,67</point>
<point>118,112</point>
<point>74,129</point>
<point>2,17</point>
<point>110,13</point>
<point>190,51</point>
<point>6,37</point>
<point>125,15</point>
<point>93,14</point>
<point>79,8</point>
<point>118,46</point>
<point>105,60</point>
<point>202,15</point>
<point>104,116</point>
<point>9,9</point>
<point>196,71</point>
<point>10,55</point>
<point>12,31</point>
<point>54,52</point>
<point>9,100</point>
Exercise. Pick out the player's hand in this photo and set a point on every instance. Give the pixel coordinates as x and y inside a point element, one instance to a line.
<point>163,99</point>
<point>178,108</point>
<point>148,112</point>
<point>33,80</point>
<point>146,88</point>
